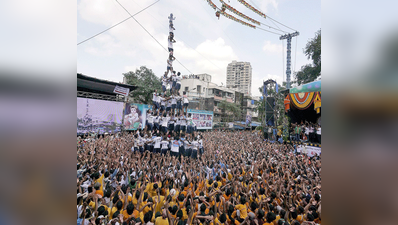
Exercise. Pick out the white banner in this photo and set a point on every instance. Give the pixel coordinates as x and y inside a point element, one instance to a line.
<point>309,150</point>
<point>121,90</point>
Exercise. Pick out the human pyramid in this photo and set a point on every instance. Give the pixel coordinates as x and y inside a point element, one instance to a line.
<point>169,126</point>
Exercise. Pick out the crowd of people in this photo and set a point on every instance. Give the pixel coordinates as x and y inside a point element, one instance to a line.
<point>236,178</point>
<point>307,132</point>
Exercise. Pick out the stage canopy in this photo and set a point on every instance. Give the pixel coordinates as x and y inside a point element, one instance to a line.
<point>314,86</point>
<point>303,103</point>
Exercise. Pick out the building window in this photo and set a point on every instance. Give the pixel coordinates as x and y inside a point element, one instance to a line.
<point>198,88</point>
<point>186,88</point>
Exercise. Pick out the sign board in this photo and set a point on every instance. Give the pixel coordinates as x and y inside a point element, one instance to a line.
<point>121,90</point>
<point>309,150</point>
<point>135,116</point>
<point>98,116</point>
<point>203,119</point>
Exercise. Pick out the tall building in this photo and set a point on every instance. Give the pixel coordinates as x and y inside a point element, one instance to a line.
<point>239,75</point>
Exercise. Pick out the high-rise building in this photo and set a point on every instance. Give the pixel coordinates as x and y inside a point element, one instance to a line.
<point>239,76</point>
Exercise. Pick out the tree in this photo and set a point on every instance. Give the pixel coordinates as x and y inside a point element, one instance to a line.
<point>312,50</point>
<point>146,81</point>
<point>230,111</point>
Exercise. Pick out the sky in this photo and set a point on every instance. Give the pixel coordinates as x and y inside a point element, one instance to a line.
<point>204,44</point>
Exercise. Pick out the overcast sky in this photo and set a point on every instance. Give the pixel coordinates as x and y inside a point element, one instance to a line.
<point>204,43</point>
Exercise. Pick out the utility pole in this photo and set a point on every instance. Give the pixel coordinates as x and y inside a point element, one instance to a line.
<point>289,47</point>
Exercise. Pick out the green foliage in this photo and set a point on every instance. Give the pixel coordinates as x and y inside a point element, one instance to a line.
<point>146,81</point>
<point>312,50</point>
<point>230,111</point>
<point>308,73</point>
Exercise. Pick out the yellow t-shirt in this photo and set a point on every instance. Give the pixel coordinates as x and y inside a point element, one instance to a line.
<point>300,218</point>
<point>135,200</point>
<point>126,215</point>
<point>99,180</point>
<point>243,210</point>
<point>184,214</point>
<point>152,192</point>
<point>161,221</point>
<point>113,210</point>
<point>160,204</point>
<point>146,209</point>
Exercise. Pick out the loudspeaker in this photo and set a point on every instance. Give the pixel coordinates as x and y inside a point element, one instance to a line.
<point>270,104</point>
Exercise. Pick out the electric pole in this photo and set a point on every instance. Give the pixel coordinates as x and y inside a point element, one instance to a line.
<point>289,47</point>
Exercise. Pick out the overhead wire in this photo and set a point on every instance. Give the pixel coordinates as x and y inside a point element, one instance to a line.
<point>151,35</point>
<point>267,30</point>
<point>273,27</point>
<point>184,41</point>
<point>118,23</point>
<point>263,28</point>
<point>267,20</point>
<point>272,19</point>
<point>281,23</point>
<point>217,23</point>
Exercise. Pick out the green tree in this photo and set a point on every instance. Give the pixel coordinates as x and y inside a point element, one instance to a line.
<point>146,81</point>
<point>312,50</point>
<point>230,111</point>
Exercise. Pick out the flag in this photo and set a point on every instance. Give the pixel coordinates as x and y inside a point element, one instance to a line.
<point>264,90</point>
<point>276,87</point>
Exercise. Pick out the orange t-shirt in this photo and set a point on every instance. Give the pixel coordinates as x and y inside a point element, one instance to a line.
<point>99,192</point>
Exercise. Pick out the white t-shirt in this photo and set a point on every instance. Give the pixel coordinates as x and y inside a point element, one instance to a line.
<point>149,140</point>
<point>178,121</point>
<point>171,29</point>
<point>157,141</point>
<point>141,141</point>
<point>195,145</point>
<point>187,144</point>
<point>169,103</point>
<point>178,99</point>
<point>318,131</point>
<point>183,121</point>
<point>178,79</point>
<point>170,43</point>
<point>164,80</point>
<point>150,118</point>
<point>185,99</point>
<point>175,146</point>
<point>174,100</point>
<point>156,119</point>
<point>171,120</point>
<point>163,101</point>
<point>165,120</point>
<point>157,99</point>
<point>307,130</point>
<point>164,144</point>
<point>154,96</point>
